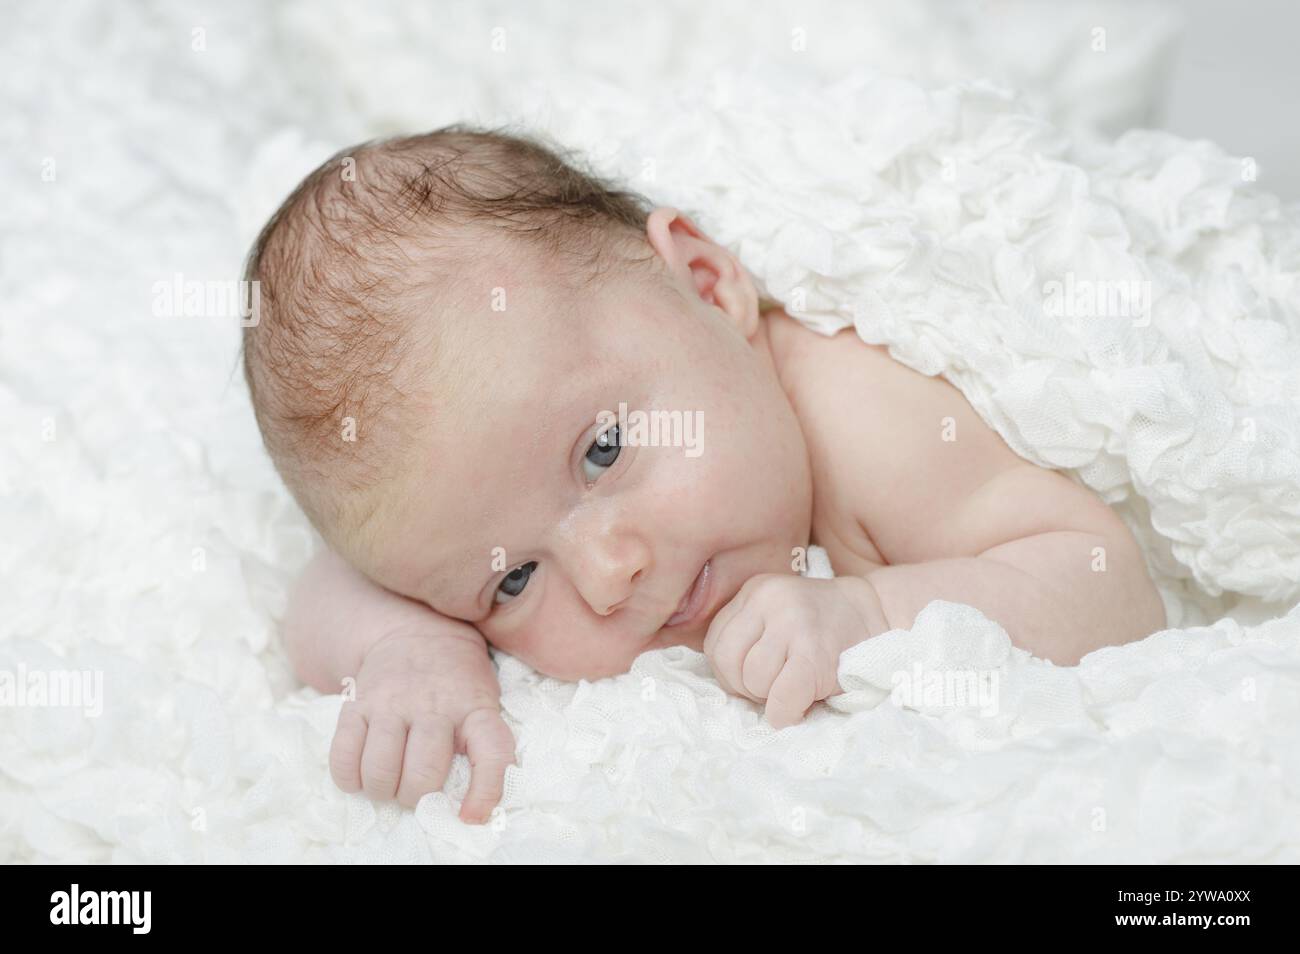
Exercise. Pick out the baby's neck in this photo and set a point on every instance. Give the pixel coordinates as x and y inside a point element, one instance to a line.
<point>775,339</point>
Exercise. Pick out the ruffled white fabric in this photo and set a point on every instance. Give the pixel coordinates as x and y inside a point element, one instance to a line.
<point>147,538</point>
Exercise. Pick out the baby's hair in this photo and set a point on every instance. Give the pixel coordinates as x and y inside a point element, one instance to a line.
<point>340,266</point>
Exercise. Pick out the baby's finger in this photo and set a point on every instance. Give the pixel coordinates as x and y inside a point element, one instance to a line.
<point>763,663</point>
<point>731,645</point>
<point>381,763</point>
<point>793,693</point>
<point>429,747</point>
<point>490,746</point>
<point>722,618</point>
<point>345,750</point>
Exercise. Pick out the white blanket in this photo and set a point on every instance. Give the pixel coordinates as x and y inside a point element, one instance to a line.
<point>147,539</point>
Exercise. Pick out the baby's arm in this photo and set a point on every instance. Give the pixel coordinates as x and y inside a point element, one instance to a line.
<point>964,518</point>
<point>1050,562</point>
<point>424,683</point>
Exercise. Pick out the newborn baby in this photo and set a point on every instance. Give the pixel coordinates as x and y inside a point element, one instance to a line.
<point>456,329</point>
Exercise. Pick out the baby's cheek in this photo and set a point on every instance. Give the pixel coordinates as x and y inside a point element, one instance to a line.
<point>538,646</point>
<point>563,653</point>
<point>517,643</point>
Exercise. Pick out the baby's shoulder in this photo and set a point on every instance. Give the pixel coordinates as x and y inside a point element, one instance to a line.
<point>853,393</point>
<point>891,449</point>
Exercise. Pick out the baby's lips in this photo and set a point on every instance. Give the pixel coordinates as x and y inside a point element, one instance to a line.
<point>695,598</point>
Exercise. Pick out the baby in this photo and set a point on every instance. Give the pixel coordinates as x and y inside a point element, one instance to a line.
<point>456,330</point>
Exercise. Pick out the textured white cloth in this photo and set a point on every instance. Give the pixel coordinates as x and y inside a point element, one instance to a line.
<point>147,538</point>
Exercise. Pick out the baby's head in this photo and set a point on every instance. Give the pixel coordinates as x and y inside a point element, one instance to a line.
<point>448,322</point>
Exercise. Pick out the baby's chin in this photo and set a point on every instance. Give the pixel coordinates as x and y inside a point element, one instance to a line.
<point>590,670</point>
<point>619,664</point>
<point>691,637</point>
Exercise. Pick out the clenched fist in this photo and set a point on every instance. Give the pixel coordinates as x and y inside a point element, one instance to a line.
<point>779,639</point>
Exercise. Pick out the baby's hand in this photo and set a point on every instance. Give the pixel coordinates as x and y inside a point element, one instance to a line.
<point>781,637</point>
<point>419,699</point>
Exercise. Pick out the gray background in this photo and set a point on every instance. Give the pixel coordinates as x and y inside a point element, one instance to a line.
<point>1236,81</point>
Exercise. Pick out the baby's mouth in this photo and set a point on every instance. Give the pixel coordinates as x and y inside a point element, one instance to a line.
<point>695,598</point>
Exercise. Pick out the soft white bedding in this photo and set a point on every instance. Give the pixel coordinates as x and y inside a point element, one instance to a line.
<point>146,536</point>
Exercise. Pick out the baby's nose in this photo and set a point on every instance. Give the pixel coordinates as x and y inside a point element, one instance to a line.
<point>605,599</point>
<point>610,571</point>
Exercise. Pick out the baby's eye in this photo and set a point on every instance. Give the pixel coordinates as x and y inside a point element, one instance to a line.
<point>514,582</point>
<point>602,453</point>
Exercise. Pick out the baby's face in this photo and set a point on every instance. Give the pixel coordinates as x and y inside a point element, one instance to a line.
<point>520,513</point>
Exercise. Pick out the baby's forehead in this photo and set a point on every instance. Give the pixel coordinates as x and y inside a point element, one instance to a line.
<point>516,328</point>
<point>527,350</point>
<point>496,429</point>
<point>523,318</point>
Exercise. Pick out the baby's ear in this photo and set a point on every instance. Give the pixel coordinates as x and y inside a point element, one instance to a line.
<point>701,265</point>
